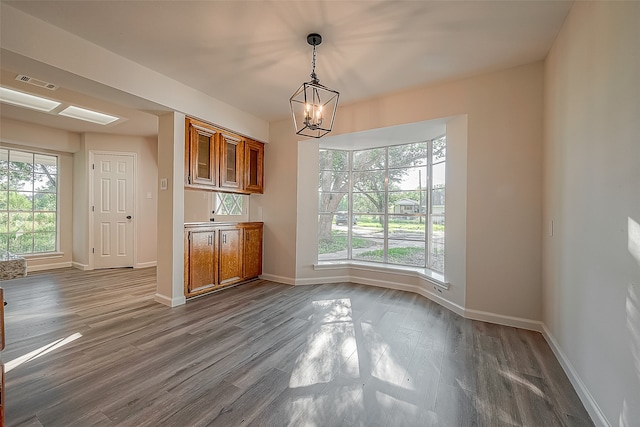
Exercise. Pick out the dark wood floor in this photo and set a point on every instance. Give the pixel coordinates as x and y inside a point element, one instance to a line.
<point>100,351</point>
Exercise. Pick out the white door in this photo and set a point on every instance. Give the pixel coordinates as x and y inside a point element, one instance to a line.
<point>113,199</point>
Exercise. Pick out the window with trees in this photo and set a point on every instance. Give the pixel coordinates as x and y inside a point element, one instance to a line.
<point>383,204</point>
<point>28,202</point>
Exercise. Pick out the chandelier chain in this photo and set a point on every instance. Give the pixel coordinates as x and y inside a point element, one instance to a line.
<point>314,77</point>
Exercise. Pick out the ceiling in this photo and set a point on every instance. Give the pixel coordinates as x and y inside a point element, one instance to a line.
<point>254,54</point>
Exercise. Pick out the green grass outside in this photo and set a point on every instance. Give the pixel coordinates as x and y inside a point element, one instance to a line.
<point>339,243</point>
<point>395,255</point>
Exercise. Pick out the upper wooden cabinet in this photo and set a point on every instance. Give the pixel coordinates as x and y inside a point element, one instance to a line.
<point>253,166</point>
<point>216,159</point>
<point>201,155</point>
<point>231,159</point>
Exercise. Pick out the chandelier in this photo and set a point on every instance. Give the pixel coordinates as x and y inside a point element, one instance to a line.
<point>313,105</point>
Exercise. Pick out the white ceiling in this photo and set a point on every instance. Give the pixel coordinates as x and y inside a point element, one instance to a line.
<point>254,54</point>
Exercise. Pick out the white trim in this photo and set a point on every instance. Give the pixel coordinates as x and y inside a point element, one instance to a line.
<point>79,266</point>
<point>501,319</point>
<point>423,273</point>
<point>146,264</point>
<point>31,268</point>
<point>42,255</point>
<point>589,402</point>
<point>412,288</point>
<point>170,302</point>
<point>278,279</point>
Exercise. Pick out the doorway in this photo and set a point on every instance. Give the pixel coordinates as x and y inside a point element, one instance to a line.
<point>112,209</point>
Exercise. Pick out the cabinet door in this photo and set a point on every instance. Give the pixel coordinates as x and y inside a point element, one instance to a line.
<point>231,162</point>
<point>201,261</point>
<point>252,251</point>
<point>230,255</point>
<point>253,166</point>
<point>203,152</point>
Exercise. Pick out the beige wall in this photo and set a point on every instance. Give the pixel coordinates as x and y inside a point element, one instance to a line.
<point>503,190</point>
<point>591,271</point>
<point>146,150</point>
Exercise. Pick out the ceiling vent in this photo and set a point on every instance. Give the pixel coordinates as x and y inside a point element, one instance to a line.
<point>36,82</point>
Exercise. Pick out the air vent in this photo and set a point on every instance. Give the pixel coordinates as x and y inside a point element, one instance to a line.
<point>36,82</point>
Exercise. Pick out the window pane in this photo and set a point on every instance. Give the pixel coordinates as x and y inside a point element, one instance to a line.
<point>332,202</point>
<point>44,242</point>
<point>334,160</point>
<point>20,243</point>
<point>46,164</point>
<point>407,202</point>
<point>332,241</point>
<point>333,181</point>
<point>368,202</point>
<point>229,204</point>
<point>4,200</point>
<point>44,202</point>
<point>406,252</point>
<point>20,222</point>
<point>437,200</point>
<point>369,159</point>
<point>370,249</point>
<point>21,161</point>
<point>4,222</point>
<point>4,159</point>
<point>4,242</point>
<point>368,181</point>
<point>44,221</point>
<point>44,183</point>
<point>439,153</point>
<point>408,155</point>
<point>20,201</point>
<point>407,228</point>
<point>20,180</point>
<point>437,242</point>
<point>439,177</point>
<point>408,178</point>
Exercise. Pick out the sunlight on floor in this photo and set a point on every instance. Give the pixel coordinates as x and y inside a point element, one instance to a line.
<point>40,352</point>
<point>328,346</point>
<point>523,382</point>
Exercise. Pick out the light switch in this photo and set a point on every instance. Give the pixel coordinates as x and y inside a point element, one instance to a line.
<point>149,195</point>
<point>163,183</point>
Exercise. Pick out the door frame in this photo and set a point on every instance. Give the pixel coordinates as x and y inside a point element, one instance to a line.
<point>134,155</point>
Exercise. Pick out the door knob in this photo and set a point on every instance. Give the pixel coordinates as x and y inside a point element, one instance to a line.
<point>128,216</point>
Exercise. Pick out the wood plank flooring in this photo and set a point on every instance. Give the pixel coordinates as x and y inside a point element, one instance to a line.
<point>99,351</point>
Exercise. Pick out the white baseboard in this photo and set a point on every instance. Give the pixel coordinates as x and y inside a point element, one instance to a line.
<point>589,402</point>
<point>40,267</point>
<point>170,302</point>
<point>279,279</point>
<point>500,319</point>
<point>146,264</point>
<point>79,266</point>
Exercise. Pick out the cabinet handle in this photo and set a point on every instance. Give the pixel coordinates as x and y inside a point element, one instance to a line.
<point>224,238</point>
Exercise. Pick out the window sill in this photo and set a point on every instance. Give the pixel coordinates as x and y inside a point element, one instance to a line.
<point>44,255</point>
<point>423,273</point>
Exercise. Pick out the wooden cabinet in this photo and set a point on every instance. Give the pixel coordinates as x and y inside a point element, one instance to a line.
<point>252,250</point>
<point>230,245</point>
<point>200,260</point>
<point>219,255</point>
<point>201,155</point>
<point>220,160</point>
<point>253,166</point>
<point>231,162</point>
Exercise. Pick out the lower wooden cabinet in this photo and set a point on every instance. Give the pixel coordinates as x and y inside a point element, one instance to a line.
<point>220,255</point>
